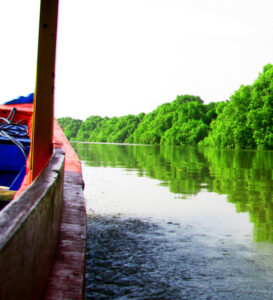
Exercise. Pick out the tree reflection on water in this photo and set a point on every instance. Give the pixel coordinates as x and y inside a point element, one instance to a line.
<point>246,177</point>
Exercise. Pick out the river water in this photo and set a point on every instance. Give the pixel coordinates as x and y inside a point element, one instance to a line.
<point>177,222</point>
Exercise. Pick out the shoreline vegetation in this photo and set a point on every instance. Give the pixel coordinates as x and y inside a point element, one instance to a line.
<point>245,121</point>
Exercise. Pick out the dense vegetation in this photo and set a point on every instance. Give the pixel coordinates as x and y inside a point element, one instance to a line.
<point>243,122</point>
<point>70,126</point>
<point>246,121</point>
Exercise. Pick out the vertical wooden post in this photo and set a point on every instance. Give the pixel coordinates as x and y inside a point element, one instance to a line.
<point>43,112</point>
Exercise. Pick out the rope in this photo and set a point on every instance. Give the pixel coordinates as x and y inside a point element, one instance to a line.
<point>11,131</point>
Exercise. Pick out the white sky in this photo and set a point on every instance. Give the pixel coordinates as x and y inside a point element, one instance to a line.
<point>117,57</point>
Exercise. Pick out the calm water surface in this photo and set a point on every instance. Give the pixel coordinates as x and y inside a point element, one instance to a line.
<point>177,223</point>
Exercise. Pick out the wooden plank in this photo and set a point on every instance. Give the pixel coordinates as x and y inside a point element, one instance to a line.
<point>67,277</point>
<point>43,115</point>
<point>68,272</point>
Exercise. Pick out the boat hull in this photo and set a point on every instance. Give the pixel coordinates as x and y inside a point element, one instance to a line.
<point>29,231</point>
<point>43,229</point>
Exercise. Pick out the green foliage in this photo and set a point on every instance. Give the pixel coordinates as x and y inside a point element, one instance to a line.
<point>70,126</point>
<point>182,99</point>
<point>260,115</point>
<point>189,133</point>
<point>111,130</point>
<point>88,126</point>
<point>243,122</point>
<point>246,121</point>
<point>182,122</point>
<point>153,125</point>
<point>230,129</point>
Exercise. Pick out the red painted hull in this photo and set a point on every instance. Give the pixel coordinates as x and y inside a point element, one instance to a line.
<point>43,230</point>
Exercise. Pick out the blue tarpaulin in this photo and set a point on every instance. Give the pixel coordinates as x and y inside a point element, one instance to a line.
<point>21,100</point>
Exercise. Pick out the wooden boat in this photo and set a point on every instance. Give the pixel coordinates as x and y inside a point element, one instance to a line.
<point>43,219</point>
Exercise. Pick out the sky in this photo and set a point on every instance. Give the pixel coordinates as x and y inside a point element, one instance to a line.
<point>128,56</point>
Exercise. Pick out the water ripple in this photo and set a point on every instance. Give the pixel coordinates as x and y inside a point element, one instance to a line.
<point>129,258</point>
